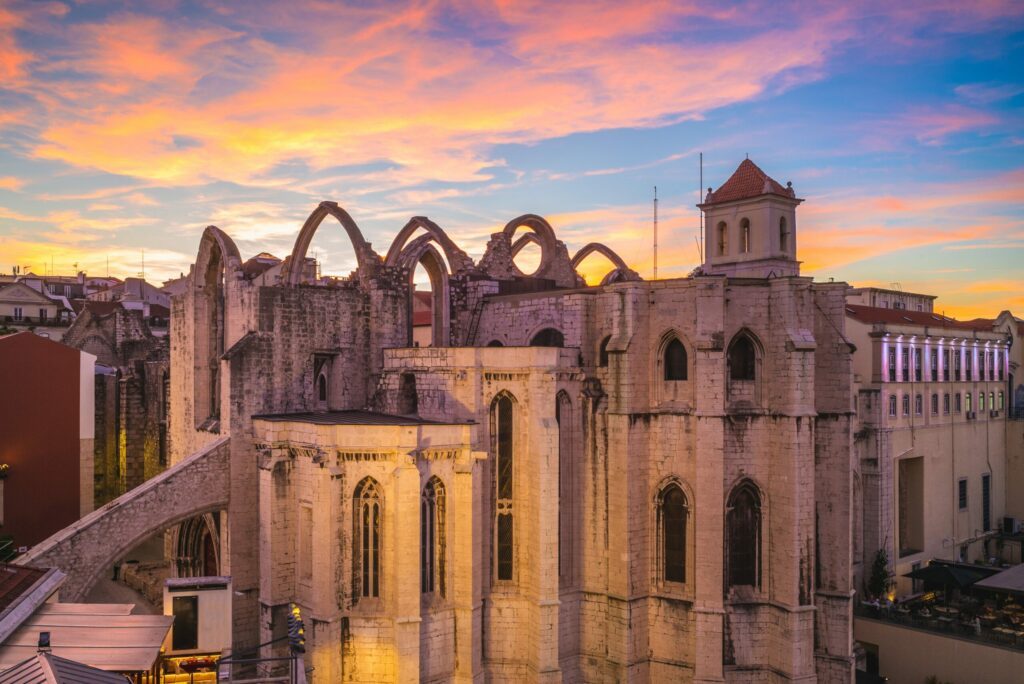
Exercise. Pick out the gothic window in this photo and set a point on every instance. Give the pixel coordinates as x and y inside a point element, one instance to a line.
<point>432,538</point>
<point>321,388</point>
<point>548,337</point>
<point>742,359</point>
<point>745,236</point>
<point>602,352</point>
<point>368,512</point>
<point>783,235</point>
<point>743,536</point>
<point>502,427</point>
<point>723,238</point>
<point>675,360</point>
<point>672,514</point>
<point>892,405</point>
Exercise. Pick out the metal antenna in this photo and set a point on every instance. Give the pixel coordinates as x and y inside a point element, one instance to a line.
<point>655,232</point>
<point>700,200</point>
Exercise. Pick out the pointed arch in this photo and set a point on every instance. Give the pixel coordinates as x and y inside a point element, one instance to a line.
<point>367,514</point>
<point>427,255</point>
<point>544,236</point>
<point>620,272</point>
<point>400,254</point>
<point>433,543</point>
<point>217,265</point>
<point>744,355</point>
<point>503,420</point>
<point>366,259</point>
<point>743,526</point>
<point>673,357</point>
<point>673,511</point>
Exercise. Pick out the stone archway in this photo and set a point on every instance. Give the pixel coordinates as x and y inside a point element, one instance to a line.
<point>84,550</point>
<point>366,259</point>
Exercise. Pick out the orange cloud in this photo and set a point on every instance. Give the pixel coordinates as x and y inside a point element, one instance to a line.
<point>11,183</point>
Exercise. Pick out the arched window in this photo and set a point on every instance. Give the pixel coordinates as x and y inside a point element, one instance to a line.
<point>548,337</point>
<point>367,514</point>
<point>501,429</point>
<point>783,234</point>
<point>432,538</point>
<point>742,359</point>
<point>675,360</point>
<point>723,238</point>
<point>743,536</point>
<point>672,514</point>
<point>745,235</point>
<point>602,352</point>
<point>495,343</point>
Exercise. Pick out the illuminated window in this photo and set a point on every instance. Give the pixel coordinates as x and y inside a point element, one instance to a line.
<point>672,513</point>
<point>906,404</point>
<point>432,538</point>
<point>957,402</point>
<point>969,409</point>
<point>675,360</point>
<point>743,536</point>
<point>502,427</point>
<point>918,405</point>
<point>367,503</point>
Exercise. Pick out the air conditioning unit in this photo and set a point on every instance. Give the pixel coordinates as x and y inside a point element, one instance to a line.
<point>971,415</point>
<point>993,414</point>
<point>1011,525</point>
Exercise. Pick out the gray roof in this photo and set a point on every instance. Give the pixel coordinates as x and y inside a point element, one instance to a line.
<point>46,668</point>
<point>1010,580</point>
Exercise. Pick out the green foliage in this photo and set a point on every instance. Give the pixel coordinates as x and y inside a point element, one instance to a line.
<point>878,582</point>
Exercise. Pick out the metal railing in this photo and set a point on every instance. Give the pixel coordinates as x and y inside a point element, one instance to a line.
<point>951,626</point>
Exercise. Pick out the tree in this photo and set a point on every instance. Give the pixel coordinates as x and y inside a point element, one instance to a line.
<point>878,583</point>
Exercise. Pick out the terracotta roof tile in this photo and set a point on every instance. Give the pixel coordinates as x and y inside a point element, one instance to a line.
<point>747,181</point>
<point>15,580</point>
<point>874,314</point>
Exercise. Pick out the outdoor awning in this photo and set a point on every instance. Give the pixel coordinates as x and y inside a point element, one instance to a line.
<point>46,668</point>
<point>104,636</point>
<point>950,575</point>
<point>1010,581</point>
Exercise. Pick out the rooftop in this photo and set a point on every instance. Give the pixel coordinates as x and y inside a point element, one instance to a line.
<point>351,417</point>
<point>872,314</point>
<point>747,181</point>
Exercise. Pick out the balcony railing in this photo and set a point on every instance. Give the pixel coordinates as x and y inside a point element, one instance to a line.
<point>994,634</point>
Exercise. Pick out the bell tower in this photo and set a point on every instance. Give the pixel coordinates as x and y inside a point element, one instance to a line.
<point>750,226</point>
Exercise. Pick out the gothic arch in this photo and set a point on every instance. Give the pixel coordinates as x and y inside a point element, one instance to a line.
<point>216,244</point>
<point>543,235</point>
<point>366,258</point>
<point>400,254</point>
<point>620,272</point>
<point>422,250</point>
<point>745,524</point>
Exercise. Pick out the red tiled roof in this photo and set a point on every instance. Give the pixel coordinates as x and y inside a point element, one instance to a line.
<point>422,318</point>
<point>101,308</point>
<point>747,181</point>
<point>15,580</point>
<point>874,314</point>
<point>259,264</point>
<point>159,311</point>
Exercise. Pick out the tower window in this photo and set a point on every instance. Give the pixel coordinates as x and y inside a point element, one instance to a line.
<point>432,538</point>
<point>675,360</point>
<point>502,426</point>
<point>783,234</point>
<point>743,536</point>
<point>745,236</point>
<point>672,513</point>
<point>742,359</point>
<point>368,531</point>
<point>723,238</point>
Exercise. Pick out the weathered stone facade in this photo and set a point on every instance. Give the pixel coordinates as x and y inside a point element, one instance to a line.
<point>132,390</point>
<point>643,481</point>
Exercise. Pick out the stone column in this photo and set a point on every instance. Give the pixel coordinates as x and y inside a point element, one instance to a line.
<point>463,561</point>
<point>404,513</point>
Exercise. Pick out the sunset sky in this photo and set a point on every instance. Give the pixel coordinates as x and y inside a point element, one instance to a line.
<point>131,126</point>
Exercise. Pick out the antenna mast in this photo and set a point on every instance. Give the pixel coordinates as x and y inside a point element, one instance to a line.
<point>700,200</point>
<point>655,232</point>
